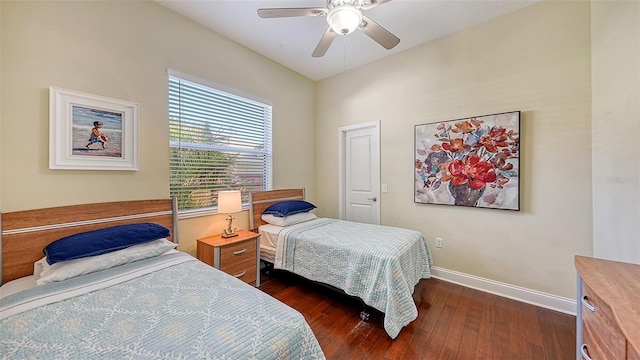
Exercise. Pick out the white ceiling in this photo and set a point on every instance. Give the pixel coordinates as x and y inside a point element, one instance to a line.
<point>290,41</point>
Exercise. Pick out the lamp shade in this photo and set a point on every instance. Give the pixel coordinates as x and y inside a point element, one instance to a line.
<point>229,201</point>
<point>344,19</point>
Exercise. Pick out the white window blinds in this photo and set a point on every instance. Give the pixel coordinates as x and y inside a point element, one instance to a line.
<point>218,141</point>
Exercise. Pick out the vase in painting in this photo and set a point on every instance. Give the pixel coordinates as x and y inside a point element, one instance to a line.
<point>465,195</point>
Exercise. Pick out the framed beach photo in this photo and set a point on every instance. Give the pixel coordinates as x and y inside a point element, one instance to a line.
<point>471,162</point>
<point>89,132</point>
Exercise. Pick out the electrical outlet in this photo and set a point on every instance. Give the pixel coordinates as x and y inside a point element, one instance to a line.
<point>438,242</point>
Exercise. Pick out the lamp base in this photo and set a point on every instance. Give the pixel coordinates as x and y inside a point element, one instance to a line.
<point>230,231</point>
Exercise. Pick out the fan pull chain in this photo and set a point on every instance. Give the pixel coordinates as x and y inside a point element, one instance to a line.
<point>344,52</point>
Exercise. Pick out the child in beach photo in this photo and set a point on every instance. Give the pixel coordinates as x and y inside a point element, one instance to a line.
<point>97,135</point>
<point>100,126</point>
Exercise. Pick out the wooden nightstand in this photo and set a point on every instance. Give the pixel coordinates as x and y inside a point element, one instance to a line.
<point>237,256</point>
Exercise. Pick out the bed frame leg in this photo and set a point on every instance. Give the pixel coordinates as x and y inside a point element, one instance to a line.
<point>365,315</point>
<point>268,267</point>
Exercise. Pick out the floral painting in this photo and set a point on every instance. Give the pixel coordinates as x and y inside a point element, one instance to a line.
<point>469,162</point>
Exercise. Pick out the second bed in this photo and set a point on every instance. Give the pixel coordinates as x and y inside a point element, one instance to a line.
<point>378,264</point>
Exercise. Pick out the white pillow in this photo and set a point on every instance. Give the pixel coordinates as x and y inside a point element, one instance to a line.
<point>71,268</point>
<point>288,220</point>
<point>38,266</point>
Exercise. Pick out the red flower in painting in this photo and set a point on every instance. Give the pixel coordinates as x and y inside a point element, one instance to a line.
<point>455,145</point>
<point>472,171</point>
<point>494,139</point>
<point>464,127</point>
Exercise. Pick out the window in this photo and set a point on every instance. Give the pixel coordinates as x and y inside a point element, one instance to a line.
<point>218,141</point>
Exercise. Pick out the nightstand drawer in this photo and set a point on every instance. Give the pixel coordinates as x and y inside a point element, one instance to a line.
<point>239,252</point>
<point>245,271</point>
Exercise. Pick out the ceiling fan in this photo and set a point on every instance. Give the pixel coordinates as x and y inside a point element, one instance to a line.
<point>343,16</point>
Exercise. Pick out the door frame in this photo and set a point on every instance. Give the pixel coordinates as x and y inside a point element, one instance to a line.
<point>342,137</point>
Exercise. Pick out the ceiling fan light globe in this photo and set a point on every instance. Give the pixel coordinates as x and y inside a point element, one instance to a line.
<point>344,19</point>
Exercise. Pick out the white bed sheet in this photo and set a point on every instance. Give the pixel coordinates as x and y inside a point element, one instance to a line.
<point>268,240</point>
<point>17,285</point>
<point>269,235</point>
<point>268,253</point>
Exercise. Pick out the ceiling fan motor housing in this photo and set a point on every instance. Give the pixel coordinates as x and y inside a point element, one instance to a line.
<point>355,3</point>
<point>344,15</point>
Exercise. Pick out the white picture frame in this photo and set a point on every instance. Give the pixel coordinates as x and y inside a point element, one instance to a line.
<point>90,132</point>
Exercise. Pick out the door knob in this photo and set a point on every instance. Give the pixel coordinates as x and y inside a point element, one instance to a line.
<point>374,199</point>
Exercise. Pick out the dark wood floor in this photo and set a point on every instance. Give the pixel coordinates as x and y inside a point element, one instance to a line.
<point>454,322</point>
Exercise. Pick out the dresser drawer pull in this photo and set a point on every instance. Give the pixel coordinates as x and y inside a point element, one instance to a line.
<point>585,353</point>
<point>585,302</point>
<point>240,252</point>
<point>241,274</point>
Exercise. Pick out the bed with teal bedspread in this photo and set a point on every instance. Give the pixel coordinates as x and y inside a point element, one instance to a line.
<point>379,264</point>
<point>166,307</point>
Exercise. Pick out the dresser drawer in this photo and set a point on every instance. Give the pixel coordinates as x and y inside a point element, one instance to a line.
<point>245,271</point>
<point>591,344</point>
<point>600,328</point>
<point>240,252</point>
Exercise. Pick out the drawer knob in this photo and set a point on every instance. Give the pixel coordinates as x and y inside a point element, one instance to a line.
<point>585,302</point>
<point>241,274</point>
<point>239,252</point>
<point>585,353</point>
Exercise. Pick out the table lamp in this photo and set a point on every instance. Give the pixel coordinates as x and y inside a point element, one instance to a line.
<point>229,202</point>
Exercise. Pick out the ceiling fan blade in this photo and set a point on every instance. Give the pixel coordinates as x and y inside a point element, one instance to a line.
<point>324,43</point>
<point>379,34</point>
<point>374,3</point>
<point>291,12</point>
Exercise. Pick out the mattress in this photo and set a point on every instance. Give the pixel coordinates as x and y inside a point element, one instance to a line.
<point>268,241</point>
<point>268,253</point>
<point>171,306</point>
<point>269,234</point>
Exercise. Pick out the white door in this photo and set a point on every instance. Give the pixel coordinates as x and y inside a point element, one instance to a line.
<point>360,173</point>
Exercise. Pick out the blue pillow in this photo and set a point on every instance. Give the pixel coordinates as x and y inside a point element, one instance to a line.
<point>102,241</point>
<point>289,207</point>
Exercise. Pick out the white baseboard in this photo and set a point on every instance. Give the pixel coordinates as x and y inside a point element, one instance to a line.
<point>549,301</point>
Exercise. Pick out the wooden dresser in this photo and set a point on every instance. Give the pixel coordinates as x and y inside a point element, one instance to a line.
<point>608,322</point>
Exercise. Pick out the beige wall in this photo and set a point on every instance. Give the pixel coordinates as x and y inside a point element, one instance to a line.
<point>536,60</point>
<point>615,54</point>
<point>122,50</point>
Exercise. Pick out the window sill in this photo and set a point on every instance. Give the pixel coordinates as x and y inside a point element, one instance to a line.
<point>189,214</point>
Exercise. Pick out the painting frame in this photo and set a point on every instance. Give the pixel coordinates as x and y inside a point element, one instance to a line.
<point>473,162</point>
<point>90,132</point>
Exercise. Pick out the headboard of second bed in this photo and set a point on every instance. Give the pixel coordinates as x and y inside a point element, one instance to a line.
<point>260,200</point>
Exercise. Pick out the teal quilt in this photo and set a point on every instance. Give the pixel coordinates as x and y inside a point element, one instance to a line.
<point>167,307</point>
<point>379,264</point>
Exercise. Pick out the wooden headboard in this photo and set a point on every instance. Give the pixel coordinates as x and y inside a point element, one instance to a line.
<point>26,233</point>
<point>260,200</point>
